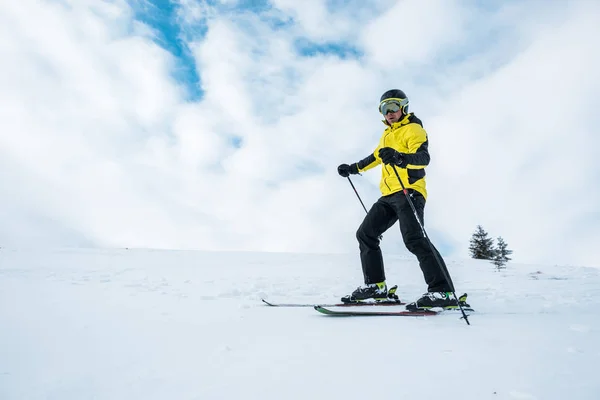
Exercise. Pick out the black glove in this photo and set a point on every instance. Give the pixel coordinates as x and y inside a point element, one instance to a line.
<point>345,170</point>
<point>391,156</point>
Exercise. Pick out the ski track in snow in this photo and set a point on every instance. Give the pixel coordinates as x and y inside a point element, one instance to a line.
<point>129,324</point>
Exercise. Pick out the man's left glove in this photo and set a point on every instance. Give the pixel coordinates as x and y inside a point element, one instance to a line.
<point>391,156</point>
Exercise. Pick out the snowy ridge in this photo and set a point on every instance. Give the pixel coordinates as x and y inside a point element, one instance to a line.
<point>152,324</point>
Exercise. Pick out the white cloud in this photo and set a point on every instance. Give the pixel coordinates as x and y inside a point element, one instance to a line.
<point>412,32</point>
<point>314,20</point>
<point>100,146</point>
<point>193,11</point>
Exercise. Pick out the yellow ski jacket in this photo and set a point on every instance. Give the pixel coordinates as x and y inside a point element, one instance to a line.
<point>408,137</point>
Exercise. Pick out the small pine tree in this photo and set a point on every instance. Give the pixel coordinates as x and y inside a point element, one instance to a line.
<point>501,253</point>
<point>481,246</point>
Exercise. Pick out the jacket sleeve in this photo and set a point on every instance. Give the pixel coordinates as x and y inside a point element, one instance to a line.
<point>417,143</point>
<point>368,162</point>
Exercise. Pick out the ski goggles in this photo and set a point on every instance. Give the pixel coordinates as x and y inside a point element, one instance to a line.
<point>392,105</point>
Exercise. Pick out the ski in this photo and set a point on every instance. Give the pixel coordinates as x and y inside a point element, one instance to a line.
<point>356,313</point>
<point>392,300</point>
<point>356,304</point>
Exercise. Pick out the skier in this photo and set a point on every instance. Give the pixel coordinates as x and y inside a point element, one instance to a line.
<point>403,146</point>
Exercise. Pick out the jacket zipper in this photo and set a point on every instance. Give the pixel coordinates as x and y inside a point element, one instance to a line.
<point>385,166</point>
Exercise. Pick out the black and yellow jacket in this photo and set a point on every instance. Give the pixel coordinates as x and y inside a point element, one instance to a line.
<point>408,137</point>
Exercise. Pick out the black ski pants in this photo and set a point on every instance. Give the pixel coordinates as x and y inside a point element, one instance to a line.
<point>384,213</point>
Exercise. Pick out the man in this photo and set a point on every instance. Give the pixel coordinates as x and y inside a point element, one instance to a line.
<point>403,146</point>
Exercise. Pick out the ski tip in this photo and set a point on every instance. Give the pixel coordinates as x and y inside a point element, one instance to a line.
<point>326,311</point>
<point>321,309</point>
<point>267,303</point>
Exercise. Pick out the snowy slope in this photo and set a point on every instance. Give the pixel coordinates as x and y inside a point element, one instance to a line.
<point>144,324</point>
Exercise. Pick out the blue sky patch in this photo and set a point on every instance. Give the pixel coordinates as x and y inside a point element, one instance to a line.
<point>342,50</point>
<point>161,16</point>
<point>236,141</point>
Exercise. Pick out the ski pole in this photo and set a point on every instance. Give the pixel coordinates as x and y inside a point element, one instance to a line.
<point>361,202</point>
<point>435,254</point>
<point>359,199</point>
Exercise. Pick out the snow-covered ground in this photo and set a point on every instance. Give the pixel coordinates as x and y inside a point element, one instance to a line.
<point>150,324</point>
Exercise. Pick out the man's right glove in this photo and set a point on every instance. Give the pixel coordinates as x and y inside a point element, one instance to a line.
<point>391,156</point>
<point>345,170</point>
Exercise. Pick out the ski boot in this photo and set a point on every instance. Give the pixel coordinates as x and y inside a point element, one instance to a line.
<point>375,292</point>
<point>442,300</point>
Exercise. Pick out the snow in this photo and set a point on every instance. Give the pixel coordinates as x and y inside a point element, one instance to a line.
<point>153,324</point>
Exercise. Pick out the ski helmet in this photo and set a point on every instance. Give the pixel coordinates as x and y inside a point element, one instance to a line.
<point>396,95</point>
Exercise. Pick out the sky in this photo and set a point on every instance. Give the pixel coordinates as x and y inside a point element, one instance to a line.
<point>219,125</point>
